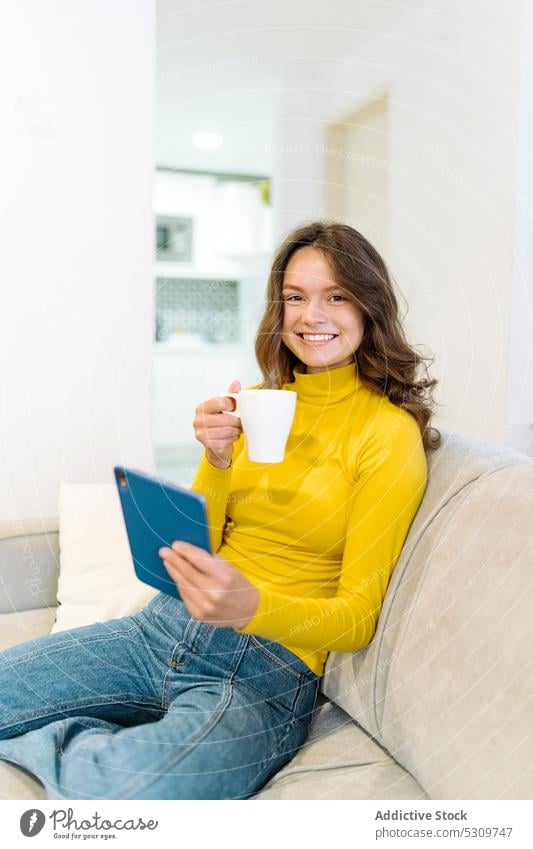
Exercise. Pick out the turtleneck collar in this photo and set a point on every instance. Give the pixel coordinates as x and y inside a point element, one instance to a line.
<point>325,387</point>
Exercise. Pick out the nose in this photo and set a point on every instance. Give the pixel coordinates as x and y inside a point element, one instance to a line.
<point>313,313</point>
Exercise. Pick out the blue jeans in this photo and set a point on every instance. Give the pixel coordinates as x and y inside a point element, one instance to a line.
<point>157,705</point>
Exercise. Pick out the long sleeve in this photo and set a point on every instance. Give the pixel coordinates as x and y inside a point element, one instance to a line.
<point>389,482</point>
<point>214,484</point>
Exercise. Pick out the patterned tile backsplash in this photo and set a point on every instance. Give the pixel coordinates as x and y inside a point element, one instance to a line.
<point>208,307</point>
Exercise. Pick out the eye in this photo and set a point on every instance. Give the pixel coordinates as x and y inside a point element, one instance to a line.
<point>336,298</point>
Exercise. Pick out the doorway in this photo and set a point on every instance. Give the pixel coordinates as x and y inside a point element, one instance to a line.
<point>357,171</point>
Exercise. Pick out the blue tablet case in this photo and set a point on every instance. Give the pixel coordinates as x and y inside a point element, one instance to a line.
<point>157,513</point>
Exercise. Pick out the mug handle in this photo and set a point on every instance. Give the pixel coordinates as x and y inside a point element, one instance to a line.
<point>236,412</point>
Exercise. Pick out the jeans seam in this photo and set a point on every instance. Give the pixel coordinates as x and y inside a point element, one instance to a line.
<point>275,659</point>
<point>296,718</point>
<point>292,722</point>
<point>278,753</point>
<point>165,687</point>
<point>280,745</point>
<point>162,603</point>
<point>183,643</point>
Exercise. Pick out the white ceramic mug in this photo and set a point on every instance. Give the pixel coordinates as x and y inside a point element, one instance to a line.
<point>266,416</point>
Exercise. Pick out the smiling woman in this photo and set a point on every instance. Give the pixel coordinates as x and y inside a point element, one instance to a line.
<point>208,695</point>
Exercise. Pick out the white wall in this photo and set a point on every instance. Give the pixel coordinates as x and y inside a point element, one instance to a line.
<point>452,73</point>
<point>76,313</point>
<point>519,425</point>
<point>297,187</point>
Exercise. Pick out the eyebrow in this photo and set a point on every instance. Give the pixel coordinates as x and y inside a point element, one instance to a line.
<point>298,289</point>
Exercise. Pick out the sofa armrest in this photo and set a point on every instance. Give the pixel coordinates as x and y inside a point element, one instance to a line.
<point>29,564</point>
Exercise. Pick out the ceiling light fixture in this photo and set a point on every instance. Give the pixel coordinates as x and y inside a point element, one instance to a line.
<point>207,141</point>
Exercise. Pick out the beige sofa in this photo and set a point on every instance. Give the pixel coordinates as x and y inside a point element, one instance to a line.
<point>440,704</point>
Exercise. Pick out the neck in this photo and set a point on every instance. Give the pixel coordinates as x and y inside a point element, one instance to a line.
<point>325,387</point>
<point>315,370</point>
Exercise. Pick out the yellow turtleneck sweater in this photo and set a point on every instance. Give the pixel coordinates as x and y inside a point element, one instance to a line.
<point>320,533</point>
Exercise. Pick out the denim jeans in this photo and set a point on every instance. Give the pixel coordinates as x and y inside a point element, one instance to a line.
<point>157,705</point>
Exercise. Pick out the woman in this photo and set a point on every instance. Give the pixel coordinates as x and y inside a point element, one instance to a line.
<point>209,696</point>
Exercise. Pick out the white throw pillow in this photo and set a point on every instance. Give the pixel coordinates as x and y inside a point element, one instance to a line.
<point>97,581</point>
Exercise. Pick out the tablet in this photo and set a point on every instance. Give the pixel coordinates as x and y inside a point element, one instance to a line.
<point>156,513</point>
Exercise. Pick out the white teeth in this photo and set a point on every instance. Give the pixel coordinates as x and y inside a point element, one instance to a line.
<point>321,338</point>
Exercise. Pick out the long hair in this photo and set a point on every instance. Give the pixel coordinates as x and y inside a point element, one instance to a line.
<point>386,363</point>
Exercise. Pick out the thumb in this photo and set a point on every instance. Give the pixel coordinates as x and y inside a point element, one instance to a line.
<point>235,386</point>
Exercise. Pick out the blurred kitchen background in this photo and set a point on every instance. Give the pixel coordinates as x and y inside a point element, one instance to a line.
<point>154,154</point>
<point>213,240</point>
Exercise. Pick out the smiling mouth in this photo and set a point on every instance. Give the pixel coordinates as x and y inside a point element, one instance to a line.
<point>317,338</point>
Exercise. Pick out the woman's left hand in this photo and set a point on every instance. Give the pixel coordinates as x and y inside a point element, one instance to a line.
<point>212,589</point>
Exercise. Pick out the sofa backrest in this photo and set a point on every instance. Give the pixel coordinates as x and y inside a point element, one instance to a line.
<point>29,564</point>
<point>446,684</point>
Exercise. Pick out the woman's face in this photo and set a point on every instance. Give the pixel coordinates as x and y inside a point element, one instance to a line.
<point>320,325</point>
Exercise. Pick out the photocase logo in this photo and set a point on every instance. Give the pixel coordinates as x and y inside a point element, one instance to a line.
<point>32,822</point>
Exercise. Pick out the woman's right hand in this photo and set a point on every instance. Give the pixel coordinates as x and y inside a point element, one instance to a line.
<point>216,430</point>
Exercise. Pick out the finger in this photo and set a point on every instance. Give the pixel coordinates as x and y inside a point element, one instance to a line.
<point>184,561</point>
<point>191,603</point>
<point>217,404</point>
<point>184,574</point>
<point>214,421</point>
<point>196,556</point>
<point>172,558</point>
<point>235,386</point>
<point>188,593</point>
<point>220,419</point>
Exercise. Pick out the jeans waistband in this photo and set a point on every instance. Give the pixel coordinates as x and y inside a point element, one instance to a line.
<point>203,638</point>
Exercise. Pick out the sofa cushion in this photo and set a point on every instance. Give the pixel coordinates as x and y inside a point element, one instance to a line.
<point>17,783</point>
<point>446,685</point>
<point>18,628</point>
<point>97,581</point>
<point>340,761</point>
<point>15,628</point>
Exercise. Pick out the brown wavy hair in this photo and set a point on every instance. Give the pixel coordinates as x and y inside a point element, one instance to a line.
<point>386,363</point>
